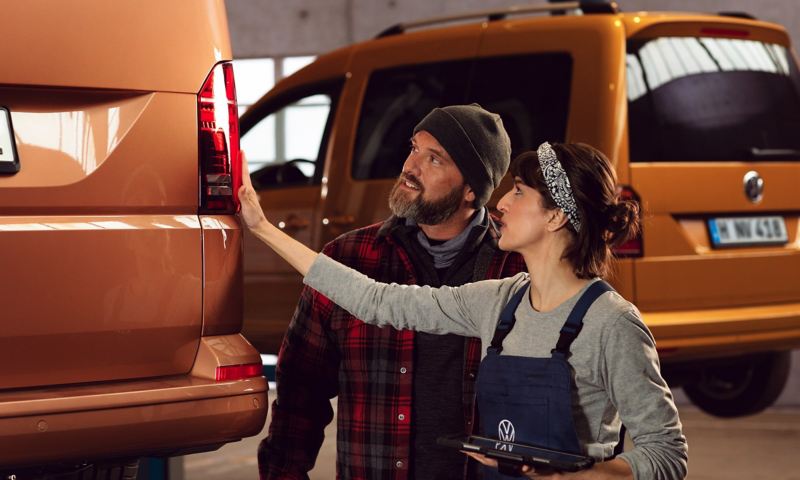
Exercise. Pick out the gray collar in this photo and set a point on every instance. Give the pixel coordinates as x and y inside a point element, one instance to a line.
<point>445,253</point>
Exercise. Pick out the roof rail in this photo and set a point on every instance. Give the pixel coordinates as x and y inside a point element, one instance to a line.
<point>555,7</point>
<point>737,15</point>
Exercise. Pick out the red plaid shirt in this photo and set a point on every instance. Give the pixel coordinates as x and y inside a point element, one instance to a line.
<point>327,352</point>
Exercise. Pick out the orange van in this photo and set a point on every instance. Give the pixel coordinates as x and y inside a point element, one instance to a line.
<point>700,114</point>
<point>120,292</point>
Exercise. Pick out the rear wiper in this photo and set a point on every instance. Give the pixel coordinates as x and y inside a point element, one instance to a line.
<point>774,153</point>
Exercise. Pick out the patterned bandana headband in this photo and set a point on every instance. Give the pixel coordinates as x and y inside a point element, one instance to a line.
<point>555,177</point>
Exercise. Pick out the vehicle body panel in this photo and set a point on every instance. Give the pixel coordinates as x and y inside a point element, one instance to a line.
<point>119,301</point>
<point>84,252</point>
<point>113,45</point>
<point>159,416</point>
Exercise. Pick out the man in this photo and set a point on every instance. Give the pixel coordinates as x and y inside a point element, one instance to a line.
<point>398,390</point>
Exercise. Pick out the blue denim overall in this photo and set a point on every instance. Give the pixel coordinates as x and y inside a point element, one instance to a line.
<point>529,400</point>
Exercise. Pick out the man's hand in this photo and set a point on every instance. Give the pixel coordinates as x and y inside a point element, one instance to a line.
<point>251,213</point>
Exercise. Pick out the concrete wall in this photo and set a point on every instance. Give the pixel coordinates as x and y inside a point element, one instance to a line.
<point>267,28</point>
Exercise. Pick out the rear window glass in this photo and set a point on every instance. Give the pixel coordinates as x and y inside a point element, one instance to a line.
<point>708,98</point>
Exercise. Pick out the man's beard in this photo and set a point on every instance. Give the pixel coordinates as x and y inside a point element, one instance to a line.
<point>421,211</point>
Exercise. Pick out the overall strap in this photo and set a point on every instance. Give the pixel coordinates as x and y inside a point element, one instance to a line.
<point>572,327</point>
<point>620,447</point>
<point>507,321</point>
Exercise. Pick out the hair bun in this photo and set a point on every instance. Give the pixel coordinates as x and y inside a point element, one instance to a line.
<point>623,222</point>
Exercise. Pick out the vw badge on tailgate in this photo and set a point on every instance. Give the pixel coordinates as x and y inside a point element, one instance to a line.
<point>753,186</point>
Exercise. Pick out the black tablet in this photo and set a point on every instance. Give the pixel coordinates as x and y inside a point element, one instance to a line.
<point>517,453</point>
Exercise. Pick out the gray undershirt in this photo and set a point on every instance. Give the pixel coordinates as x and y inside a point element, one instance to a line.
<point>444,253</point>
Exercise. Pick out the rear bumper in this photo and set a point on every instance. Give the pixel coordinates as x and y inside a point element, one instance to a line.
<point>709,333</point>
<point>145,417</point>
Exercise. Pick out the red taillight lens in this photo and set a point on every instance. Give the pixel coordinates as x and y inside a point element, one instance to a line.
<point>218,149</point>
<point>633,247</point>
<point>239,372</point>
<point>724,32</point>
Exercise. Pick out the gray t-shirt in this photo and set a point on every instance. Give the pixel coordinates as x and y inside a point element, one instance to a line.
<point>614,360</point>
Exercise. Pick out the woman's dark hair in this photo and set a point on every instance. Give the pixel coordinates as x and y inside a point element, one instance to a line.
<point>606,220</point>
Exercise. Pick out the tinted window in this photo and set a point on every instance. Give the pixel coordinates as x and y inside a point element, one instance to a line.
<point>533,106</point>
<point>712,99</point>
<point>531,94</point>
<point>395,101</point>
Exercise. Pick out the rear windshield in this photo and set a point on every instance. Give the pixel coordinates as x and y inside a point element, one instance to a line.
<point>707,98</point>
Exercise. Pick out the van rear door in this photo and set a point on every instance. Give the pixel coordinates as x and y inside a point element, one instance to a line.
<point>101,273</point>
<point>714,112</point>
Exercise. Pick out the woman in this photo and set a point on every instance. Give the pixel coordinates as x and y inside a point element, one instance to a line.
<point>568,377</point>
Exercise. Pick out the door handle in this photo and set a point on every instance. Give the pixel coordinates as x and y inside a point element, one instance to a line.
<point>293,223</point>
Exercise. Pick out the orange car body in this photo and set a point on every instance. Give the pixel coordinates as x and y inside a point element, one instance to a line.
<point>119,301</point>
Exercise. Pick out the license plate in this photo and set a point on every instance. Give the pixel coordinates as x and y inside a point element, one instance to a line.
<point>744,231</point>
<point>9,161</point>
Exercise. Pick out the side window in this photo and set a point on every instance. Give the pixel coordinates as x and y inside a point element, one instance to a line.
<point>530,93</point>
<point>286,147</point>
<point>395,101</point>
<point>534,105</point>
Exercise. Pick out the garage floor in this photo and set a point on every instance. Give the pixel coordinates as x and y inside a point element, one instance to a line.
<point>763,446</point>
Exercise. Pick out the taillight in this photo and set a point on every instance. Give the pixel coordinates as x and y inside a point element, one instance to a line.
<point>633,247</point>
<point>239,372</point>
<point>218,149</point>
<point>724,32</point>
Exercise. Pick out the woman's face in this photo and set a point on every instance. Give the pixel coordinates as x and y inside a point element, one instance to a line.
<point>524,221</point>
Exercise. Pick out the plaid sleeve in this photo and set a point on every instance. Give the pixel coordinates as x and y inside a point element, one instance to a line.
<point>514,264</point>
<point>306,373</point>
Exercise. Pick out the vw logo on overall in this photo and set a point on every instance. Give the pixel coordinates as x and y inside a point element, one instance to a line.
<point>505,432</point>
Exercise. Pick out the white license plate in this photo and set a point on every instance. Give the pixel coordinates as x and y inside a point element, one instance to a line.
<point>9,162</point>
<point>742,231</point>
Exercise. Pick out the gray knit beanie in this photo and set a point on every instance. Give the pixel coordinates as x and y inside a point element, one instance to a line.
<point>477,142</point>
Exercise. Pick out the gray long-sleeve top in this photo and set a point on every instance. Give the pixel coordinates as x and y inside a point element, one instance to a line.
<point>614,360</point>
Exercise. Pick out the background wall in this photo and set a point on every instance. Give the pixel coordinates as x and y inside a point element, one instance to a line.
<point>278,28</point>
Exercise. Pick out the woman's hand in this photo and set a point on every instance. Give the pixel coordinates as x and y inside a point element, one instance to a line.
<point>526,470</point>
<point>251,212</point>
<point>298,255</point>
<point>610,469</point>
